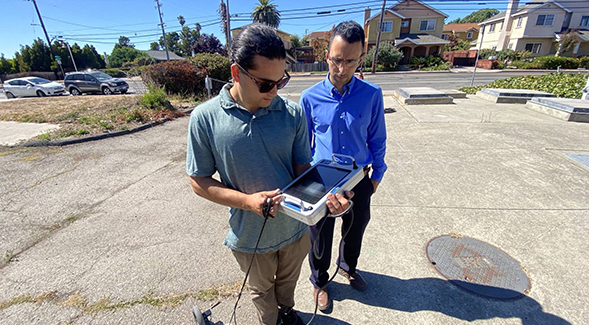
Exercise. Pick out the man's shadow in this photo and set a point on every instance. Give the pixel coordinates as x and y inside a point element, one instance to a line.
<point>436,295</point>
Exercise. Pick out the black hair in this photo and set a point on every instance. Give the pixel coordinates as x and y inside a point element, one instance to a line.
<point>256,39</point>
<point>350,31</point>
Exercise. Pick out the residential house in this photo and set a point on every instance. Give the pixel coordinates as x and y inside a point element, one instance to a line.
<point>160,56</point>
<point>283,35</point>
<point>537,26</point>
<point>412,26</point>
<point>466,32</point>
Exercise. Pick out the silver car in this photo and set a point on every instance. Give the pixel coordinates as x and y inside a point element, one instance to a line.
<point>32,86</point>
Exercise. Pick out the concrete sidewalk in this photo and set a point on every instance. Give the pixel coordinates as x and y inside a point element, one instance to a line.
<point>109,232</point>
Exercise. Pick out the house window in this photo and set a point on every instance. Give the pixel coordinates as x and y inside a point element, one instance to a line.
<point>544,20</point>
<point>427,25</point>
<point>519,21</point>
<point>585,21</point>
<point>387,26</point>
<point>469,35</point>
<point>491,28</point>
<point>444,36</point>
<point>533,47</point>
<point>510,46</point>
<point>493,47</point>
<point>405,23</point>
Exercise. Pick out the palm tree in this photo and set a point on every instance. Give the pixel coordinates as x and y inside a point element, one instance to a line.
<point>266,13</point>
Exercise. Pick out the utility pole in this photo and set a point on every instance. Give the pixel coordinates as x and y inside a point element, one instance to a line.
<point>163,30</point>
<point>227,27</point>
<point>47,36</point>
<point>476,61</point>
<point>384,3</point>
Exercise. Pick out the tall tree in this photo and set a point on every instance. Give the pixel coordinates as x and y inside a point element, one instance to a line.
<point>476,16</point>
<point>266,13</point>
<point>209,44</point>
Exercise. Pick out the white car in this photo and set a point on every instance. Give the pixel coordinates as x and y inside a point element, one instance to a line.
<point>32,86</point>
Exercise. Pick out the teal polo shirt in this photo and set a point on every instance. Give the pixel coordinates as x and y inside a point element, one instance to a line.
<point>251,153</point>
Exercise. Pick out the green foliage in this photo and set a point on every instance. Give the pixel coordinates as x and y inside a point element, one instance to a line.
<point>388,56</point>
<point>429,63</point>
<point>566,85</point>
<point>584,62</point>
<point>122,54</point>
<point>155,98</point>
<point>181,43</point>
<point>215,66</point>
<point>266,13</point>
<point>295,41</point>
<point>553,62</point>
<point>476,16</point>
<point>178,77</point>
<point>6,66</point>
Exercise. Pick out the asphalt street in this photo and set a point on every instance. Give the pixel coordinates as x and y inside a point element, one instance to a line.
<point>109,231</point>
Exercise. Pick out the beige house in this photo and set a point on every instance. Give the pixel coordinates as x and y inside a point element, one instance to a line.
<point>412,26</point>
<point>537,27</point>
<point>466,32</point>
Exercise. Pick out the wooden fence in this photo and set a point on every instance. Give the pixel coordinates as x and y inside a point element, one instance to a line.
<point>307,67</point>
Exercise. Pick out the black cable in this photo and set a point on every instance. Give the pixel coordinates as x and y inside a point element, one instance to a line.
<point>266,212</point>
<point>351,212</point>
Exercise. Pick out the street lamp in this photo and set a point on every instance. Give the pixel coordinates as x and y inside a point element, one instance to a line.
<point>70,50</point>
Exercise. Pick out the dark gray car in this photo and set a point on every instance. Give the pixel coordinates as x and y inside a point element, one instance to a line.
<point>78,83</point>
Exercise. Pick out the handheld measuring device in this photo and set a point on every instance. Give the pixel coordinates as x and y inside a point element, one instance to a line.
<point>304,198</point>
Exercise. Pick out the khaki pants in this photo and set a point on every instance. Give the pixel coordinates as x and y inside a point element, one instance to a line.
<point>273,277</point>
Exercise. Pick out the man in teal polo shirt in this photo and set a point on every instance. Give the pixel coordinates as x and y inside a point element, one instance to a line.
<point>258,143</point>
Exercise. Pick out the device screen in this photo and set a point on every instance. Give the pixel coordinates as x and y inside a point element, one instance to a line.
<point>316,183</point>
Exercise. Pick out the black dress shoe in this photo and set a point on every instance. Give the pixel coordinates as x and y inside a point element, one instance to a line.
<point>288,316</point>
<point>356,280</point>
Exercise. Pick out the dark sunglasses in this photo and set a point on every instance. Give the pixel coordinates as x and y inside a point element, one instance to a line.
<point>267,86</point>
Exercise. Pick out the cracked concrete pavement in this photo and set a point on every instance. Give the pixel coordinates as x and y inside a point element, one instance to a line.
<point>109,232</point>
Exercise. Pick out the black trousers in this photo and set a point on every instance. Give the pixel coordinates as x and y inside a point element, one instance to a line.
<point>322,236</point>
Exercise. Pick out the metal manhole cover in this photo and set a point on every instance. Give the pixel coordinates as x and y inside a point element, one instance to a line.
<point>478,267</point>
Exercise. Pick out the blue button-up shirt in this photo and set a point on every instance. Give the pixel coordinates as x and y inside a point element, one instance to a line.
<point>350,124</point>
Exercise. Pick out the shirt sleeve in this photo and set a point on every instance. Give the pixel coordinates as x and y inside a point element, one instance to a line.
<point>377,136</point>
<point>301,148</point>
<point>309,121</point>
<point>200,161</point>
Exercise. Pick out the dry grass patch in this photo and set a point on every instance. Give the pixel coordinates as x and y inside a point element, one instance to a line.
<point>88,114</point>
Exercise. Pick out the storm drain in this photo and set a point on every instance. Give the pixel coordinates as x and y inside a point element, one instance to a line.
<point>583,159</point>
<point>478,267</point>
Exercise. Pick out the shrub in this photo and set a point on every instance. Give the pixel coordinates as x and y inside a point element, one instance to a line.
<point>484,54</point>
<point>429,63</point>
<point>566,85</point>
<point>584,62</point>
<point>155,98</point>
<point>388,56</point>
<point>178,77</point>
<point>553,62</point>
<point>115,73</point>
<point>215,66</point>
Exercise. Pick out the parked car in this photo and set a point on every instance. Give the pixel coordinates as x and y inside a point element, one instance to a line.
<point>78,83</point>
<point>32,86</point>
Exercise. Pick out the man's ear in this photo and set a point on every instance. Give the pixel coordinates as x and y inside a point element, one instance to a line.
<point>235,72</point>
<point>326,55</point>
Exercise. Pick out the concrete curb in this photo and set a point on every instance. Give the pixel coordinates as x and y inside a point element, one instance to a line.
<point>65,142</point>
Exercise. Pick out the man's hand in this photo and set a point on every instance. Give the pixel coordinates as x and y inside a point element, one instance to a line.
<point>337,203</point>
<point>255,202</point>
<point>375,184</point>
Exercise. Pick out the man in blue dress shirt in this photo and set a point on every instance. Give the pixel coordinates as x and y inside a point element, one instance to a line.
<point>345,115</point>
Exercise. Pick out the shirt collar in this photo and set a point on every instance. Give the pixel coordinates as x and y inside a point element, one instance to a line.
<point>347,87</point>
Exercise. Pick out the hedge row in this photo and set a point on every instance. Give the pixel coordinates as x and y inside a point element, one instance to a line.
<point>567,85</point>
<point>187,77</point>
<point>553,63</point>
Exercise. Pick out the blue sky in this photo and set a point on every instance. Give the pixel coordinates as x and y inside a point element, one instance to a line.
<point>101,22</point>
